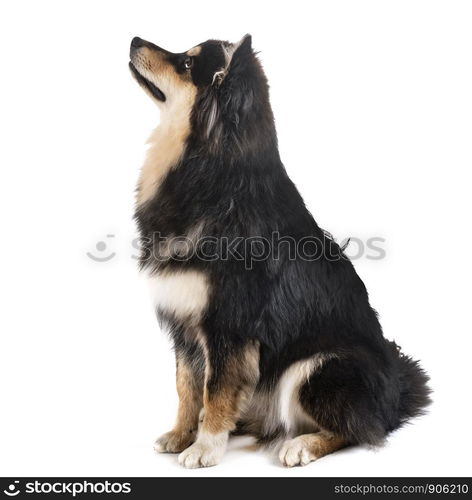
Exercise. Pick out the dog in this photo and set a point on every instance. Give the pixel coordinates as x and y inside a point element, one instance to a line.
<point>273,332</point>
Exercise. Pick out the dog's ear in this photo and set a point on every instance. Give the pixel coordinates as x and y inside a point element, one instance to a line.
<point>240,79</point>
<point>231,94</point>
<point>244,46</point>
<point>242,52</point>
<point>235,54</point>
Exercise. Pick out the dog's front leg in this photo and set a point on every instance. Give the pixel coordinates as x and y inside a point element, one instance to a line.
<point>230,379</point>
<point>189,378</point>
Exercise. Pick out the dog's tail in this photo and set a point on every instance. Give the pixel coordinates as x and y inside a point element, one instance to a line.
<point>414,389</point>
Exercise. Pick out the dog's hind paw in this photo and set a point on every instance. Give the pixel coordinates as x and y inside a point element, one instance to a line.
<point>296,452</point>
<point>173,442</point>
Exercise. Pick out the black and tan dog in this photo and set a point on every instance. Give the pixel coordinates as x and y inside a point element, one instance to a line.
<point>273,332</point>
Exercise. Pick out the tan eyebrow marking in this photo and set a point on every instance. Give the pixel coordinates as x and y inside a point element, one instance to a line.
<point>195,51</point>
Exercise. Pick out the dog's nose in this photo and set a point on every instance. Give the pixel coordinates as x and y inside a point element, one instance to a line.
<point>137,42</point>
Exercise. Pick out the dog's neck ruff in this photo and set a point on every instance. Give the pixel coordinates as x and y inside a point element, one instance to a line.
<point>166,146</point>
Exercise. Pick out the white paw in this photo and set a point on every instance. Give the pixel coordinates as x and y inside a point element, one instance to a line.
<point>173,442</point>
<point>296,452</point>
<point>207,451</point>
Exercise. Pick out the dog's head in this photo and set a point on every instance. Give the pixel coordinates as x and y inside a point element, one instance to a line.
<point>170,77</point>
<point>212,79</point>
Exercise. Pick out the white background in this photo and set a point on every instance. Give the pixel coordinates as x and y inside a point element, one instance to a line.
<point>373,103</point>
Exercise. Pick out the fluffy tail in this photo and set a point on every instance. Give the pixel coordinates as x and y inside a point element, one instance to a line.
<point>414,390</point>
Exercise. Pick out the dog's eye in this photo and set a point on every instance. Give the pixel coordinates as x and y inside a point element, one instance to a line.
<point>188,63</point>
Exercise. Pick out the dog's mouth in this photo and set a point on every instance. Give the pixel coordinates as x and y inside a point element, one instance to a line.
<point>153,89</point>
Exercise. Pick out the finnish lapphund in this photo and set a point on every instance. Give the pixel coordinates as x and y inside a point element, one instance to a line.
<point>273,332</point>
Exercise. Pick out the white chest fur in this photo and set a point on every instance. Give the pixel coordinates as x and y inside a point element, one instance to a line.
<point>183,293</point>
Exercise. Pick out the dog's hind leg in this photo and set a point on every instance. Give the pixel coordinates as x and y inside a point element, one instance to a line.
<point>189,381</point>
<point>230,379</point>
<point>349,401</point>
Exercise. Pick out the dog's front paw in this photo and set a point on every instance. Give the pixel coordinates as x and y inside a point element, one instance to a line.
<point>207,451</point>
<point>200,455</point>
<point>174,442</point>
